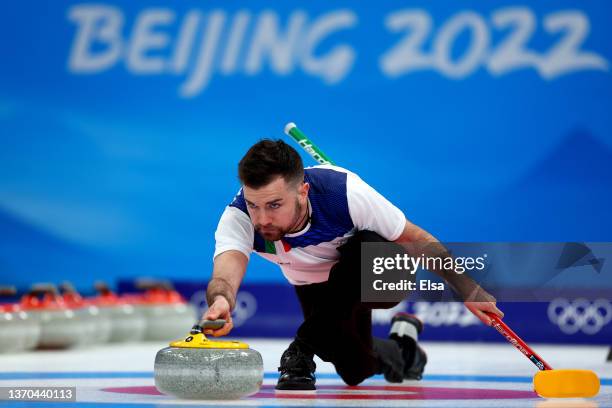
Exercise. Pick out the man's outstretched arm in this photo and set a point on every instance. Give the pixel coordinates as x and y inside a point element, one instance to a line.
<point>228,271</point>
<point>418,241</point>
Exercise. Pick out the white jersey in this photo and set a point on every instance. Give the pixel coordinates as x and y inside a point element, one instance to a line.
<point>340,204</point>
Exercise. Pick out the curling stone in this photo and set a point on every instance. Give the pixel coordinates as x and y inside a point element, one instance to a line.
<point>98,325</point>
<point>126,323</point>
<point>60,327</point>
<point>167,313</point>
<point>18,331</point>
<point>199,368</point>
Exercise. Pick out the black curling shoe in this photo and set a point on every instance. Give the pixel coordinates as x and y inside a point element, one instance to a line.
<point>405,330</point>
<point>297,370</point>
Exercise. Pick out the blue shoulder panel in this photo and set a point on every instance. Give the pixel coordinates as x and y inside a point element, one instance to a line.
<point>330,212</point>
<point>239,202</point>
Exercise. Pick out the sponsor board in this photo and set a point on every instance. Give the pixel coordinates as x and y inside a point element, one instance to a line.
<point>272,310</point>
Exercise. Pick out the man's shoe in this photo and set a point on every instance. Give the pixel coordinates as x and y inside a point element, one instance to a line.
<point>297,370</point>
<point>405,330</point>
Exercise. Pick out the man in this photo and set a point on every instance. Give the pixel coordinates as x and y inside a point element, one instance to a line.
<point>311,222</point>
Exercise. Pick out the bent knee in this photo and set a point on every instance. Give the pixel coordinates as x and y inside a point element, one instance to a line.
<point>351,376</point>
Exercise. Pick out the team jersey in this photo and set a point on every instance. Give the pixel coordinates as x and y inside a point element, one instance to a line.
<point>340,203</point>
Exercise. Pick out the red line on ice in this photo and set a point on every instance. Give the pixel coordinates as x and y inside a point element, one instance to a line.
<point>378,392</point>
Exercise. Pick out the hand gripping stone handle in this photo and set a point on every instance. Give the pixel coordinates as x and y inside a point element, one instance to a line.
<point>207,324</point>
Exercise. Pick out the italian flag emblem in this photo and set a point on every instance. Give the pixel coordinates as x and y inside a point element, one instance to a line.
<point>271,248</point>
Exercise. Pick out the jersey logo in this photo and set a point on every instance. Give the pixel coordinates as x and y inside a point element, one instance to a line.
<point>286,245</point>
<point>271,248</point>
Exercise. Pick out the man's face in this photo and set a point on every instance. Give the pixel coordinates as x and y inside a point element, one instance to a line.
<point>276,208</point>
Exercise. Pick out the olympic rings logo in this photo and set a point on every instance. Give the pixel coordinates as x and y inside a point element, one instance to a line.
<point>580,315</point>
<point>246,306</point>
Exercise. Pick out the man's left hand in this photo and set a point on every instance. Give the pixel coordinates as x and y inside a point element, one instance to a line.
<point>479,302</point>
<point>479,309</point>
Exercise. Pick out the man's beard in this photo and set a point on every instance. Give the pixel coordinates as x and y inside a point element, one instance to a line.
<point>274,233</point>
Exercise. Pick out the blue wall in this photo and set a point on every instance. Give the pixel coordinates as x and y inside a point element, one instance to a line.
<point>121,126</point>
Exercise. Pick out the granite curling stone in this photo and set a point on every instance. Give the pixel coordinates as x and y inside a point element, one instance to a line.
<point>199,368</point>
<point>60,326</point>
<point>127,324</point>
<point>167,313</point>
<point>18,330</point>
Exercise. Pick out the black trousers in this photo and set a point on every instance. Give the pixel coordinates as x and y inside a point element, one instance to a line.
<point>337,326</point>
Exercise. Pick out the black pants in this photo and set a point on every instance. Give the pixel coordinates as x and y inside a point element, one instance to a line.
<point>337,326</point>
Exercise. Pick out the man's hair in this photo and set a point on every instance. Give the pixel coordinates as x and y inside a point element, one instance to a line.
<point>268,159</point>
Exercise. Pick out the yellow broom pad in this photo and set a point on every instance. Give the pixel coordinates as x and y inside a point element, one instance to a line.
<point>566,383</point>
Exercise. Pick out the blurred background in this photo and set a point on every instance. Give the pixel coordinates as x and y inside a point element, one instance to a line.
<point>122,123</point>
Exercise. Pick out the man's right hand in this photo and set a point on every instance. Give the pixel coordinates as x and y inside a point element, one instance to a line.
<point>220,309</point>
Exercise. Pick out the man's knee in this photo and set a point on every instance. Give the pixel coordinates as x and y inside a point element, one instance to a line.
<point>352,375</point>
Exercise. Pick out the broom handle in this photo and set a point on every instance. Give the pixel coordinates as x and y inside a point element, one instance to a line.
<point>296,134</point>
<point>517,342</point>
